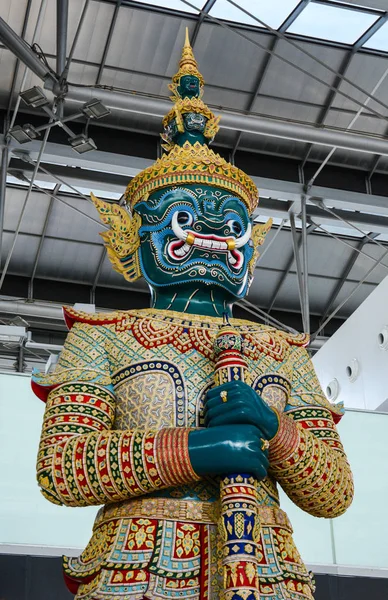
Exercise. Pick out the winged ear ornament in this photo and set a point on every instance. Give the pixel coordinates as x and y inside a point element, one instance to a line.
<point>259,231</point>
<point>122,240</point>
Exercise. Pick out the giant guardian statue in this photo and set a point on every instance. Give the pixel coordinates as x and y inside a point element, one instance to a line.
<point>180,420</point>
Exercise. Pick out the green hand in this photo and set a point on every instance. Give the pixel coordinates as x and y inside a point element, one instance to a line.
<point>228,449</point>
<point>242,406</point>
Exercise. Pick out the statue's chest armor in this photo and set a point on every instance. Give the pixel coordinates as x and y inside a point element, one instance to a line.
<point>162,371</point>
<point>158,386</point>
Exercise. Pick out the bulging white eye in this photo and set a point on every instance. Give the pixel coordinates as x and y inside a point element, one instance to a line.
<point>184,218</point>
<point>234,226</point>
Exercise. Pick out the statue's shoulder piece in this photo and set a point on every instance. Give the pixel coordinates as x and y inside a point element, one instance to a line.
<point>273,342</point>
<point>73,316</point>
<point>307,390</point>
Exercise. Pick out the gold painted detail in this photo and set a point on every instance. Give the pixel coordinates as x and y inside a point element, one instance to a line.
<point>259,231</point>
<point>187,65</point>
<point>122,240</point>
<point>192,163</point>
<point>145,401</point>
<point>161,508</point>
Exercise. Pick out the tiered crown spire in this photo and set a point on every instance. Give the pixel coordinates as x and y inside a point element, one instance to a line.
<point>187,64</point>
<point>188,129</point>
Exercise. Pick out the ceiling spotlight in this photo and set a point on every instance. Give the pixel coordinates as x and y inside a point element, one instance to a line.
<point>82,144</point>
<point>34,97</point>
<point>94,109</point>
<point>24,134</point>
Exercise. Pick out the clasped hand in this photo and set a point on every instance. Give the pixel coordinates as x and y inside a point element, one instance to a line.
<point>236,425</point>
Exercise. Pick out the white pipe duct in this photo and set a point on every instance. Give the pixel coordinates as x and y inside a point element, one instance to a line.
<point>140,104</point>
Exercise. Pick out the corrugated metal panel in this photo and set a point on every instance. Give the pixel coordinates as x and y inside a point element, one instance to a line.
<point>35,212</point>
<point>24,253</point>
<point>226,59</point>
<point>326,256</point>
<point>85,74</point>
<point>287,109</point>
<point>66,223</point>
<point>354,302</point>
<point>365,70</point>
<point>71,261</point>
<point>13,13</point>
<point>284,81</point>
<point>147,42</point>
<point>263,286</point>
<point>363,265</point>
<point>7,67</point>
<point>147,84</point>
<point>272,145</point>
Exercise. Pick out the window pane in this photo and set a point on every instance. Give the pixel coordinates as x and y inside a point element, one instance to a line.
<point>175,4</point>
<point>332,23</point>
<point>273,13</point>
<point>379,41</point>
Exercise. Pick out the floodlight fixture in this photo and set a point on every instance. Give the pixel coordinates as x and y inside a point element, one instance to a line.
<point>81,143</point>
<point>94,109</point>
<point>12,334</point>
<point>34,97</point>
<point>24,134</point>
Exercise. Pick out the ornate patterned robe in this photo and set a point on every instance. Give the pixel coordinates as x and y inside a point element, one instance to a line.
<point>128,388</point>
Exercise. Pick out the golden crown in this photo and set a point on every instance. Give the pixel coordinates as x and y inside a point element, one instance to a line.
<point>192,163</point>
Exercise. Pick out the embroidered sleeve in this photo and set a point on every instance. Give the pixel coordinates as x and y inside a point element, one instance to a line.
<point>307,457</point>
<point>82,460</point>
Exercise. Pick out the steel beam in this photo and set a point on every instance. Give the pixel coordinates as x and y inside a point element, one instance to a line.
<point>276,194</point>
<point>267,61</point>
<point>3,190</point>
<point>62,22</point>
<point>41,241</point>
<point>24,53</point>
<point>287,270</point>
<point>108,41</point>
<point>354,290</point>
<point>305,270</point>
<point>344,275</point>
<point>201,17</point>
<point>16,70</point>
<point>97,276</point>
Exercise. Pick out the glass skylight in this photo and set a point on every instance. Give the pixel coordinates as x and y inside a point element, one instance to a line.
<point>273,13</point>
<point>175,4</point>
<point>332,23</point>
<point>379,41</point>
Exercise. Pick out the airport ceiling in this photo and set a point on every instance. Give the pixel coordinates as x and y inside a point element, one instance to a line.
<point>302,88</point>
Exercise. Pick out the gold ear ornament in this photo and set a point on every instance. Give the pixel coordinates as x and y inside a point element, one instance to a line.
<point>122,240</point>
<point>259,231</point>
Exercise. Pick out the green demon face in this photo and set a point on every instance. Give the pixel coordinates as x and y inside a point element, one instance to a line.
<point>188,86</point>
<point>197,235</point>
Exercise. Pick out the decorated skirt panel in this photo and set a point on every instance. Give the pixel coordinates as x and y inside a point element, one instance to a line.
<point>144,557</point>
